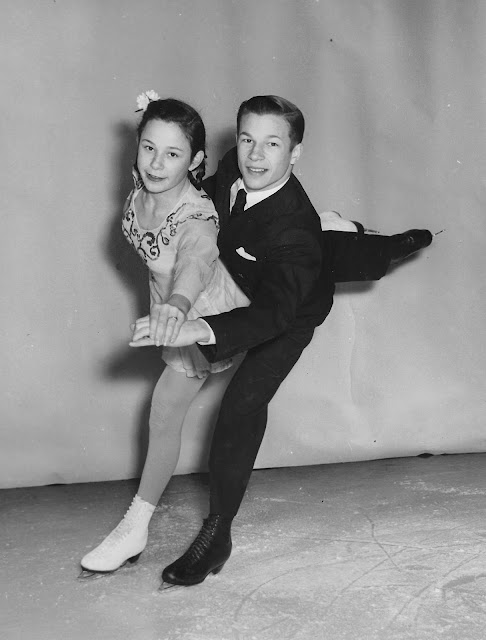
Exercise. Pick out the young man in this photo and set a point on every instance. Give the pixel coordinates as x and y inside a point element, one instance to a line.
<point>272,244</point>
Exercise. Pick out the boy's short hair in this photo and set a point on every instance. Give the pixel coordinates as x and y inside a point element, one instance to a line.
<point>277,106</point>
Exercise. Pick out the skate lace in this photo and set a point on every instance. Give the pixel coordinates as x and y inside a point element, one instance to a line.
<point>201,543</point>
<point>121,531</point>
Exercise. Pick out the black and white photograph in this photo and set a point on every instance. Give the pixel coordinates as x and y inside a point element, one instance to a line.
<point>243,320</point>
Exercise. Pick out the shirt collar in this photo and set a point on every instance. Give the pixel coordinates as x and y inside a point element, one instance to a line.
<point>253,197</point>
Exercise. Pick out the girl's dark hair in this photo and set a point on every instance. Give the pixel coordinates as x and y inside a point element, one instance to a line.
<point>188,119</point>
<point>277,106</point>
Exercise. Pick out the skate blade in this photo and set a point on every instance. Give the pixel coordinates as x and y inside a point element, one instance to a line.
<point>93,575</point>
<point>87,574</point>
<point>165,586</point>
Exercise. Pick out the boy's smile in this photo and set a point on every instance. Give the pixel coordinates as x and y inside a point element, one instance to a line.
<point>265,157</point>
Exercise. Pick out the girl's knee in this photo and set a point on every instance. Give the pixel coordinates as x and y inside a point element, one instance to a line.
<point>171,399</point>
<point>165,416</point>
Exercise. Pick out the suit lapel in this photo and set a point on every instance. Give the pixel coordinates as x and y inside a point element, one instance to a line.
<point>276,204</point>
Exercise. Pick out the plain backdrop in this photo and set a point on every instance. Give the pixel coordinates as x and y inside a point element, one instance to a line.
<point>394,96</point>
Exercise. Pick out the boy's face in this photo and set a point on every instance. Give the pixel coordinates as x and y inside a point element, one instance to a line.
<point>265,157</point>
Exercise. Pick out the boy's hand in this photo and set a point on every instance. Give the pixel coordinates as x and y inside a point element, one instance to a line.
<point>190,332</point>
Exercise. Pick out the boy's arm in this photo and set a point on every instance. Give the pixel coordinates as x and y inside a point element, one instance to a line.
<point>291,270</point>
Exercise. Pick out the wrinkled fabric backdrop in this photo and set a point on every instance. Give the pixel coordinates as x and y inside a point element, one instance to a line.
<point>394,97</point>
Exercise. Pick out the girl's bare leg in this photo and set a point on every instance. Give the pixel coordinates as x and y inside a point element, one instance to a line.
<point>171,400</point>
<point>172,397</point>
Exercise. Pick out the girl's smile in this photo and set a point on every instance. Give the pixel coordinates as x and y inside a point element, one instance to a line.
<point>154,178</point>
<point>164,159</point>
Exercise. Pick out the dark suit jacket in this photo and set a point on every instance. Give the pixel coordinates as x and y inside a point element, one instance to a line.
<point>289,283</point>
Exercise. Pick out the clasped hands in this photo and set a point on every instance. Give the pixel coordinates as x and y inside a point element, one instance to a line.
<point>167,325</point>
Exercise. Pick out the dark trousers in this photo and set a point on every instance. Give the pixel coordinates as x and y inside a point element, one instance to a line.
<point>243,414</point>
<point>355,257</point>
<point>243,417</point>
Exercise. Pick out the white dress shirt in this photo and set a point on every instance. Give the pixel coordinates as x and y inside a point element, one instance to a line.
<point>252,197</point>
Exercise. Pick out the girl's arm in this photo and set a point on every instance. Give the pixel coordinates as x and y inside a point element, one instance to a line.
<point>197,252</point>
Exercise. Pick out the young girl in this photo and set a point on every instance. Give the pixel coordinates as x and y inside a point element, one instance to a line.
<point>173,226</point>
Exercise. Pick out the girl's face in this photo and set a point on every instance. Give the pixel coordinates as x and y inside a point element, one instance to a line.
<point>164,157</point>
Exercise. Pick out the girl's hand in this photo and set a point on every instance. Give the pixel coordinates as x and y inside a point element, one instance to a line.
<point>166,321</point>
<point>141,333</point>
<point>191,331</point>
<point>333,221</point>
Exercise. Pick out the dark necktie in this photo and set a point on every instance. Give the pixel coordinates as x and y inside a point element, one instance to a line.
<point>239,205</point>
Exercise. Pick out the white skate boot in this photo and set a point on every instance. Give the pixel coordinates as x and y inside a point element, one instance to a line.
<point>124,544</point>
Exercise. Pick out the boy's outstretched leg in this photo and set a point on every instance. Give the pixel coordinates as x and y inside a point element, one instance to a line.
<point>357,257</point>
